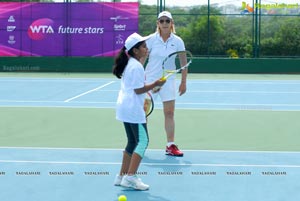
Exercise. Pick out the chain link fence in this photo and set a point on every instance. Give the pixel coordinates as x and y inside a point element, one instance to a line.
<point>237,29</point>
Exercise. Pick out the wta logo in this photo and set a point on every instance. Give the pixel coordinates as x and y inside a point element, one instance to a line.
<point>40,29</point>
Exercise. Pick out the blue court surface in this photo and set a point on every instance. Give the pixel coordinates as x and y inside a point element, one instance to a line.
<point>87,174</point>
<point>102,93</point>
<point>73,174</point>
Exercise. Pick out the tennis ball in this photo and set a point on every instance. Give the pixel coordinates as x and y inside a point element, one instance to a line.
<point>122,198</point>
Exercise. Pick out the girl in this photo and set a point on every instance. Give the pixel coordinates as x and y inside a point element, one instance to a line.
<point>130,108</point>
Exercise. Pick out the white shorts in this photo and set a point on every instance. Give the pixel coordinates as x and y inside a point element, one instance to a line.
<point>167,91</point>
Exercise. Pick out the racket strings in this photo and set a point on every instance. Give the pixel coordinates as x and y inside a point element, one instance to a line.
<point>148,104</point>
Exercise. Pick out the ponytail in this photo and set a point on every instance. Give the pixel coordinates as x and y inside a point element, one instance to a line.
<point>122,58</point>
<point>120,63</point>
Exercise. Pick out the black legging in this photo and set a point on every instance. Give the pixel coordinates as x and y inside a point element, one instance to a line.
<point>137,138</point>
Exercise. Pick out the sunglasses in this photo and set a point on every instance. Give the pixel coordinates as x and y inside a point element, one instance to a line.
<point>167,21</point>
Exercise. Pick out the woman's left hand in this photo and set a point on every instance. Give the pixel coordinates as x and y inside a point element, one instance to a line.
<point>182,88</point>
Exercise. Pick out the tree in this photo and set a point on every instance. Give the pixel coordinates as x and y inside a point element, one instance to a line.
<point>238,35</point>
<point>147,19</point>
<point>280,36</point>
<point>202,39</point>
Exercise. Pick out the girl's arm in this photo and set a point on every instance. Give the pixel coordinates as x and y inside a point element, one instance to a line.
<point>149,86</point>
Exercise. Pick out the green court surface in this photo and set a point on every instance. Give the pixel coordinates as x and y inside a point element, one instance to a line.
<point>97,128</point>
<point>199,129</point>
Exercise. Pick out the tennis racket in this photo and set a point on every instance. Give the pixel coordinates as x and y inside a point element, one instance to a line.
<point>148,104</point>
<point>175,63</point>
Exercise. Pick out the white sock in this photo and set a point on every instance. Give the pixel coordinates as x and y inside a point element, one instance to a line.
<point>131,177</point>
<point>170,143</point>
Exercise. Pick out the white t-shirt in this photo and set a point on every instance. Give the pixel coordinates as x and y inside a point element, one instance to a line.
<point>158,51</point>
<point>130,106</point>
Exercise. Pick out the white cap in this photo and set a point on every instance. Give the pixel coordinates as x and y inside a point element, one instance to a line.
<point>165,14</point>
<point>133,39</point>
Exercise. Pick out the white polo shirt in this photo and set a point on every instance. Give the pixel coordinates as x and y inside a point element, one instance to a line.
<point>130,106</point>
<point>158,51</point>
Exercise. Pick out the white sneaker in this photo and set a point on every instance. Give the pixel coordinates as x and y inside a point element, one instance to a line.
<point>134,182</point>
<point>118,180</point>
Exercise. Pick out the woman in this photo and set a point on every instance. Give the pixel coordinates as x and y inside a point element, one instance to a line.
<point>130,108</point>
<point>160,44</point>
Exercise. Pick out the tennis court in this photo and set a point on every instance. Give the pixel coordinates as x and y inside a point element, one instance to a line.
<point>60,141</point>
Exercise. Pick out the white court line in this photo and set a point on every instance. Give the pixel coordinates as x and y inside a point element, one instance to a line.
<point>178,102</point>
<point>245,92</point>
<point>151,150</point>
<point>252,82</point>
<point>74,79</point>
<point>159,107</point>
<point>56,102</point>
<point>238,104</point>
<point>28,101</point>
<point>153,164</point>
<point>87,92</point>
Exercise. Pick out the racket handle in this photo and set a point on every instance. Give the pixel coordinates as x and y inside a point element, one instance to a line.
<point>164,78</point>
<point>156,89</point>
<point>168,75</point>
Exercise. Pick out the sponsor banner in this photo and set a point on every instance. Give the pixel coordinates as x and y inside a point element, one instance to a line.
<point>65,29</point>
